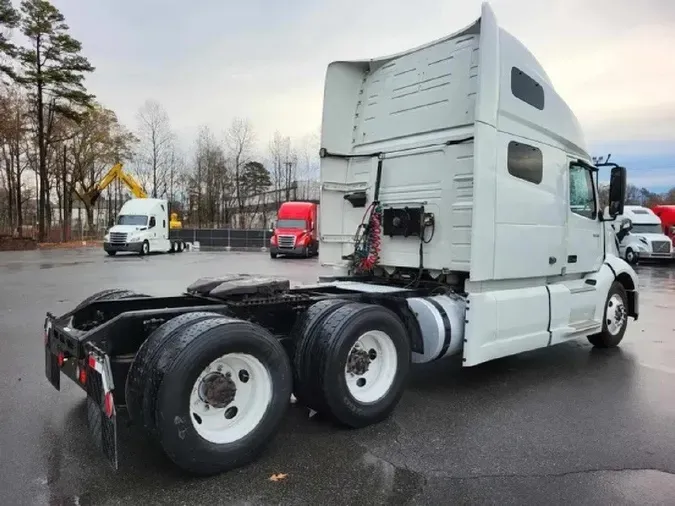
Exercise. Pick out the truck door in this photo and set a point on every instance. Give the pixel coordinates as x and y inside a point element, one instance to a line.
<point>153,229</point>
<point>584,228</point>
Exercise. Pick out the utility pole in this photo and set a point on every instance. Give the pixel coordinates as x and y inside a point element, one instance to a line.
<point>288,165</point>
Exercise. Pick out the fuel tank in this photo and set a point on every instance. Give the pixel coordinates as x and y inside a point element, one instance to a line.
<point>441,319</point>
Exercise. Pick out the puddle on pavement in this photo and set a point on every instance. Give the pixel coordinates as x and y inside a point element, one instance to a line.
<point>656,277</point>
<point>322,464</point>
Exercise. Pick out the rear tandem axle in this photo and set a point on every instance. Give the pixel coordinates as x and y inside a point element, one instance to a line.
<point>209,374</point>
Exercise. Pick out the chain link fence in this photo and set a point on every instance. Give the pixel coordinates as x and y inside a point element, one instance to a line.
<point>225,238</point>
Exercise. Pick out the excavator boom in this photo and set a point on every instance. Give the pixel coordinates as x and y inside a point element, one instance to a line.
<point>117,172</point>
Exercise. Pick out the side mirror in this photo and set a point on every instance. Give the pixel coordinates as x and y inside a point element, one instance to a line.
<point>624,229</point>
<point>617,191</point>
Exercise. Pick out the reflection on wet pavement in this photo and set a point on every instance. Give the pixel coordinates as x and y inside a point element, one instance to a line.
<point>566,425</point>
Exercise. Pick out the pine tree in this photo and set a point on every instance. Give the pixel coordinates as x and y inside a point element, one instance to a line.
<point>9,19</point>
<point>53,71</point>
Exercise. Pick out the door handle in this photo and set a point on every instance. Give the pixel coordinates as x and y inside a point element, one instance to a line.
<point>572,259</point>
<point>596,235</point>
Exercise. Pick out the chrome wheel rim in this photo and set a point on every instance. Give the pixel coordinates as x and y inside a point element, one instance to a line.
<point>615,314</point>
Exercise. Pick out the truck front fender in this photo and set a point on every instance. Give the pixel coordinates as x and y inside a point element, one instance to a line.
<point>617,269</point>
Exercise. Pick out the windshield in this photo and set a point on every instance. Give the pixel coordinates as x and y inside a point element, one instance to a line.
<point>646,229</point>
<point>132,219</point>
<point>291,224</point>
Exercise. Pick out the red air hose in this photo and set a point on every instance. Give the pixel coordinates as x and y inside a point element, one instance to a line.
<point>372,245</point>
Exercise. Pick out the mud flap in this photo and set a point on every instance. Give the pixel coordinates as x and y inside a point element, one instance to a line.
<point>101,412</point>
<point>52,370</point>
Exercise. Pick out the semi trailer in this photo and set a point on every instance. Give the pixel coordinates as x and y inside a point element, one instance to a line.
<point>460,214</point>
<point>666,213</point>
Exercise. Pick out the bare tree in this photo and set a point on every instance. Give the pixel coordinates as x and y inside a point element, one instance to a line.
<point>239,141</point>
<point>210,186</point>
<point>284,162</point>
<point>98,143</point>
<point>156,146</point>
<point>308,165</point>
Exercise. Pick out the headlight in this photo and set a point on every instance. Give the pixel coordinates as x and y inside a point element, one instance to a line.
<point>106,238</point>
<point>134,238</point>
<point>644,241</point>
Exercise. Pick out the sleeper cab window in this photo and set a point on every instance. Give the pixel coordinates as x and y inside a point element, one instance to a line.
<point>582,195</point>
<point>525,162</point>
<point>527,89</point>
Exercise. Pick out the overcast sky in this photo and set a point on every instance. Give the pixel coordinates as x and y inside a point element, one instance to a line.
<point>613,61</point>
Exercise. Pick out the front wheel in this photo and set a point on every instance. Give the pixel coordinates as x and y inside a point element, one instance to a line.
<point>145,249</point>
<point>615,318</point>
<point>631,256</point>
<point>111,253</point>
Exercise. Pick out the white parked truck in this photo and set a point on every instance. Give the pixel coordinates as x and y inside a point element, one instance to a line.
<point>646,239</point>
<point>143,227</point>
<point>461,214</point>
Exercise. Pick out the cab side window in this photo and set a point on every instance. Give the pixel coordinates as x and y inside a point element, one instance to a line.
<point>582,192</point>
<point>152,222</point>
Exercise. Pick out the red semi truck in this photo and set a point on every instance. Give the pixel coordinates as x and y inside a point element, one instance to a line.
<point>667,215</point>
<point>296,230</point>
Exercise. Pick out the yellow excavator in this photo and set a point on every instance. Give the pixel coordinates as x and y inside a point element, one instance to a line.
<point>117,172</point>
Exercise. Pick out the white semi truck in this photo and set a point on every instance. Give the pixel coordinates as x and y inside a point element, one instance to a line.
<point>461,215</point>
<point>646,239</point>
<point>143,227</point>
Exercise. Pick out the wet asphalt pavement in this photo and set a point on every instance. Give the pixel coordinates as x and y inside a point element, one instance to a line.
<point>565,425</point>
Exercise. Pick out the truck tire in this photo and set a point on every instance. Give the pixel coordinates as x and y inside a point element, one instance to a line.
<point>615,318</point>
<point>358,364</point>
<point>110,294</point>
<point>145,249</point>
<point>303,334</point>
<point>273,255</point>
<point>631,257</point>
<point>223,387</point>
<point>138,382</point>
<point>181,246</point>
<point>111,253</point>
